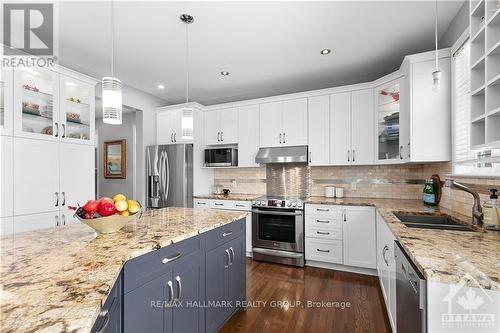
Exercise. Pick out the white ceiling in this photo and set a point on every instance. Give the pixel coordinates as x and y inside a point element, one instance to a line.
<point>269,48</point>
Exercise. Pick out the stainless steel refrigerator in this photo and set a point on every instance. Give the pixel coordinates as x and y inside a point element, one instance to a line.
<point>169,171</point>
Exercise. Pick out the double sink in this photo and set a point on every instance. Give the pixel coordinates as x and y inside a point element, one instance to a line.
<point>442,222</point>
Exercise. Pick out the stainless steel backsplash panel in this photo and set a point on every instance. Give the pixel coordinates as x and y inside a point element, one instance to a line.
<point>288,179</point>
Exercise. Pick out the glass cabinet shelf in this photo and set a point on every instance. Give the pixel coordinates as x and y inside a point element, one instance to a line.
<point>388,108</point>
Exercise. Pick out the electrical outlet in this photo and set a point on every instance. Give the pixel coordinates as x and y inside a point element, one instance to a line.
<point>354,185</point>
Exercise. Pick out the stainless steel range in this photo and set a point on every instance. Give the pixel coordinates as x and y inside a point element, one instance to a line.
<point>278,230</point>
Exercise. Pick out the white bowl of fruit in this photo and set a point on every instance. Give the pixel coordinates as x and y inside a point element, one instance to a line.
<point>108,215</point>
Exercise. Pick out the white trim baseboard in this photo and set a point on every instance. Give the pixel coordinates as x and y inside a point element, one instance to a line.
<point>343,268</point>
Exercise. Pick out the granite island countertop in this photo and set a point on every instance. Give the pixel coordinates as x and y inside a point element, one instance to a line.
<point>454,257</point>
<point>55,280</point>
<point>230,196</point>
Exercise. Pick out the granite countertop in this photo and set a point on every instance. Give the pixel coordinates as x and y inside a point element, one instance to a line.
<point>55,280</point>
<point>230,196</point>
<point>456,257</point>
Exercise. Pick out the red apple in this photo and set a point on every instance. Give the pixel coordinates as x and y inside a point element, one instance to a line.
<point>106,208</point>
<point>91,206</point>
<point>106,199</point>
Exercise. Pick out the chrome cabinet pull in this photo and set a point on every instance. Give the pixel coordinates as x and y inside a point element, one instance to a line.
<point>221,138</point>
<point>344,216</point>
<point>228,258</point>
<point>171,137</point>
<point>284,137</point>
<point>218,204</point>
<point>167,260</point>
<point>175,136</point>
<point>385,249</point>
<point>322,209</point>
<point>322,233</point>
<point>63,135</point>
<point>104,313</point>
<point>353,158</point>
<point>324,251</point>
<point>63,198</point>
<point>56,217</point>
<point>225,234</point>
<point>201,203</point>
<point>57,198</point>
<point>348,156</point>
<point>63,218</point>
<point>179,286</point>
<point>408,150</point>
<point>322,221</point>
<point>280,138</point>
<point>240,205</point>
<point>310,158</point>
<point>232,259</point>
<point>171,288</point>
<point>56,129</point>
<point>218,136</point>
<point>400,152</point>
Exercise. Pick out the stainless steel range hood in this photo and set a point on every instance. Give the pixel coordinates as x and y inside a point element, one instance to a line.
<point>295,154</point>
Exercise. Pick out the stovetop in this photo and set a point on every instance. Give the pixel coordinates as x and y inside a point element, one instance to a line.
<point>279,202</point>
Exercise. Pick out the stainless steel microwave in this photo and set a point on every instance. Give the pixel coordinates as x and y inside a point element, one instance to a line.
<point>221,157</point>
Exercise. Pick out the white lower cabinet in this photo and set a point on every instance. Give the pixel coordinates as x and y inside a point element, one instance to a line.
<point>359,236</point>
<point>30,222</point>
<point>340,235</point>
<point>245,206</point>
<point>324,250</point>
<point>386,268</point>
<point>6,226</point>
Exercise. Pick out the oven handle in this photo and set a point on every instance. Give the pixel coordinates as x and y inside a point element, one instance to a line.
<point>299,213</point>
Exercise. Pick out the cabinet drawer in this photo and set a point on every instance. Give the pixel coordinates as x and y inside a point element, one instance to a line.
<point>324,250</point>
<point>328,211</point>
<point>323,222</point>
<point>324,233</point>
<point>201,203</point>
<point>225,233</point>
<point>145,268</point>
<point>220,204</point>
<point>240,205</point>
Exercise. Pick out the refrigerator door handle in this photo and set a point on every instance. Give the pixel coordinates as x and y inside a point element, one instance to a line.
<point>167,176</point>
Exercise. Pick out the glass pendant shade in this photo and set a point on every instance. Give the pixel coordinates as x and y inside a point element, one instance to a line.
<point>111,100</point>
<point>436,78</point>
<point>187,123</point>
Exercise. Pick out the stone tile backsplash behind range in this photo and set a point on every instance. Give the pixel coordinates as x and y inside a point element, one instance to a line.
<point>371,181</point>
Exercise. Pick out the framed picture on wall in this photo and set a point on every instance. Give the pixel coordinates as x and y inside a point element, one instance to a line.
<point>115,159</point>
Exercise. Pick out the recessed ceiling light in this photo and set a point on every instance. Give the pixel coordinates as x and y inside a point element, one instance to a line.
<point>161,86</point>
<point>325,51</point>
<point>225,73</point>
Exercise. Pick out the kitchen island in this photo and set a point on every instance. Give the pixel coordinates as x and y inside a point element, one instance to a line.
<point>57,280</point>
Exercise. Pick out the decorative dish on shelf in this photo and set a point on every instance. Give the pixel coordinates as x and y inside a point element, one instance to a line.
<point>47,130</point>
<point>73,116</point>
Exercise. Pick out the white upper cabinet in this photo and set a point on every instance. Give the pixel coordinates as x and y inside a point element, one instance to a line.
<point>6,174</point>
<point>36,176</point>
<point>295,122</point>
<point>362,147</point>
<point>319,130</point>
<point>359,237</point>
<point>77,105</point>
<point>340,128</point>
<point>6,100</point>
<point>429,117</point>
<point>169,127</point>
<point>270,129</point>
<point>36,99</point>
<point>221,127</point>
<point>76,176</point>
<point>283,123</point>
<point>248,129</point>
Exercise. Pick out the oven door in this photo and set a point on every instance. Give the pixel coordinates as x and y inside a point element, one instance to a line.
<point>278,229</point>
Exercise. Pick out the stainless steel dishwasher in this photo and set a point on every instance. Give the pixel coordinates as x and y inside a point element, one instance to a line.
<point>411,294</point>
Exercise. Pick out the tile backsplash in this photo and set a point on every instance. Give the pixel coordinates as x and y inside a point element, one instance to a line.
<point>381,181</point>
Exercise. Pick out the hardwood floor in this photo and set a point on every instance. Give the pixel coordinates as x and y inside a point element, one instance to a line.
<point>272,283</point>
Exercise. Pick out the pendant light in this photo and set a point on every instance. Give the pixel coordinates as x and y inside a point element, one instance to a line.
<point>112,87</point>
<point>187,122</point>
<point>436,75</point>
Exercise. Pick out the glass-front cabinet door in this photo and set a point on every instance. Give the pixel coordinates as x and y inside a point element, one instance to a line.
<point>388,122</point>
<point>77,110</point>
<point>36,94</point>
<point>6,101</point>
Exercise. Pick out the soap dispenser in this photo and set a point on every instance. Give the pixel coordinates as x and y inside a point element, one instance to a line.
<point>491,210</point>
